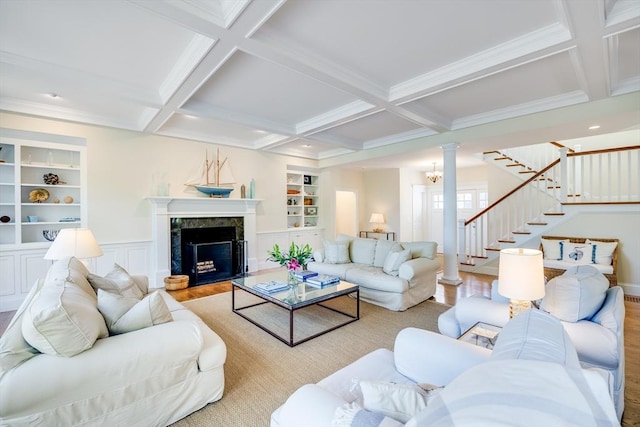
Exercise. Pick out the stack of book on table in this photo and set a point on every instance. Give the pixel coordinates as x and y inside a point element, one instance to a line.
<point>322,280</point>
<point>271,287</point>
<point>303,275</point>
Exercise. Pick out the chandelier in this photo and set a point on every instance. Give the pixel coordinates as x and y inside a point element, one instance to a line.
<point>434,176</point>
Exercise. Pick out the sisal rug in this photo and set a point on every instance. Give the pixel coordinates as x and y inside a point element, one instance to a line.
<point>261,371</point>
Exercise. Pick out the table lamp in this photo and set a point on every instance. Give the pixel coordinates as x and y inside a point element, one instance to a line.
<point>76,242</point>
<point>520,278</point>
<point>377,219</point>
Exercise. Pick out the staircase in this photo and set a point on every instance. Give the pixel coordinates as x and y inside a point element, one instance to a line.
<point>556,183</point>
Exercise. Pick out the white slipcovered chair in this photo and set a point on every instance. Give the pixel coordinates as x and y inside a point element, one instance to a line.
<point>591,313</point>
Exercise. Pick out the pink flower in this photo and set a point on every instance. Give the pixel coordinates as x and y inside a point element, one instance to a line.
<point>294,264</point>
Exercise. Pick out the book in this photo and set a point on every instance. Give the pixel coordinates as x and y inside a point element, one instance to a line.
<point>322,280</point>
<point>304,274</point>
<point>271,286</point>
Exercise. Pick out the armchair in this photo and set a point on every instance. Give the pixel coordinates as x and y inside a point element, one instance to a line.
<point>598,338</point>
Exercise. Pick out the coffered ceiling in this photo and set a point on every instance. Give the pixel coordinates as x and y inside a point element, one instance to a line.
<point>325,79</point>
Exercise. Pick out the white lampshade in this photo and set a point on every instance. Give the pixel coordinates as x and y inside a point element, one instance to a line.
<point>521,276</point>
<point>76,242</point>
<point>376,218</point>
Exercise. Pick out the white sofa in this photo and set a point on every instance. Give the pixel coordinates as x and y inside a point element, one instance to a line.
<point>532,376</point>
<point>591,313</point>
<point>82,374</point>
<point>390,274</point>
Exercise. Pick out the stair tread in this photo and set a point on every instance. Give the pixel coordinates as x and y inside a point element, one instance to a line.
<point>521,232</point>
<point>491,249</point>
<point>537,223</point>
<point>554,213</point>
<point>529,171</point>
<point>506,241</point>
<point>503,158</point>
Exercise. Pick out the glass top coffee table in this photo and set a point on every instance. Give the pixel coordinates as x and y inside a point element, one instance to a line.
<point>482,334</point>
<point>312,306</point>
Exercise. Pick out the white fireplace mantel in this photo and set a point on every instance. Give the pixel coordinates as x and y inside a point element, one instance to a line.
<point>165,208</point>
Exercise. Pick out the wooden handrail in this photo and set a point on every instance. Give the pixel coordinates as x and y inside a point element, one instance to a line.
<point>557,144</point>
<point>524,183</point>
<point>604,150</point>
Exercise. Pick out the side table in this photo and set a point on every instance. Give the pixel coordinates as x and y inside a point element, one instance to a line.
<point>388,235</point>
<point>481,334</point>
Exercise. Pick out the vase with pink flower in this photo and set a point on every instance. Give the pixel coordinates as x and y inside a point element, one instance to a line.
<point>295,259</point>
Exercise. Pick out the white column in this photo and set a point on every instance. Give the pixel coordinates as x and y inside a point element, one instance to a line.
<point>450,227</point>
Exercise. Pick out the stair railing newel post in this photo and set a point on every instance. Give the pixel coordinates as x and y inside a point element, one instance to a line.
<point>564,175</point>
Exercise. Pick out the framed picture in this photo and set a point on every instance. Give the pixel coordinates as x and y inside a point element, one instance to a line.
<point>307,180</point>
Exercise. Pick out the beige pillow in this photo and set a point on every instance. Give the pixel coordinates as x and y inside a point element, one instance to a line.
<point>62,319</point>
<point>398,401</point>
<point>394,260</point>
<point>336,252</point>
<point>13,348</point>
<point>117,281</point>
<point>126,314</point>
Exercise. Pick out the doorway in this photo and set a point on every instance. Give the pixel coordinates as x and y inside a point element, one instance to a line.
<point>346,212</point>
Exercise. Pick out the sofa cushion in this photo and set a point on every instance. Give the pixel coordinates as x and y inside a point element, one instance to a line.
<point>422,249</point>
<point>575,295</point>
<point>63,318</point>
<point>336,252</point>
<point>397,401</point>
<point>394,260</point>
<point>13,348</point>
<point>362,251</point>
<point>126,314</point>
<point>383,247</point>
<point>552,249</point>
<point>374,278</point>
<point>577,253</point>
<point>117,281</point>
<point>603,251</point>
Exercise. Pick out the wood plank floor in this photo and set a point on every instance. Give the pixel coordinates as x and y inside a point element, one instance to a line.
<point>480,284</point>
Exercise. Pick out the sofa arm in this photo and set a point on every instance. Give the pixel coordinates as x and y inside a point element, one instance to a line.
<point>427,357</point>
<point>475,308</point>
<point>418,267</point>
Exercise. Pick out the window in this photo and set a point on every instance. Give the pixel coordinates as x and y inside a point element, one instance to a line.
<point>465,200</point>
<point>438,201</point>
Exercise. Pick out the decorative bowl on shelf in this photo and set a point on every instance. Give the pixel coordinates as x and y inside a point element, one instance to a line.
<point>50,235</point>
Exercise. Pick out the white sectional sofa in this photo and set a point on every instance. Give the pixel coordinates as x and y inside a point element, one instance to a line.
<point>390,274</point>
<point>141,360</point>
<point>531,378</point>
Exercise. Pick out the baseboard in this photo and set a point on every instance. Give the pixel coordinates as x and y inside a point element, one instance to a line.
<point>631,289</point>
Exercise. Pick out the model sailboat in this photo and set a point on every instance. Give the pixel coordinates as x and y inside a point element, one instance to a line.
<point>222,184</point>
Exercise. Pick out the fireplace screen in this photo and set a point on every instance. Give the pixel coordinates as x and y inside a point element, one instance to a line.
<point>213,262</point>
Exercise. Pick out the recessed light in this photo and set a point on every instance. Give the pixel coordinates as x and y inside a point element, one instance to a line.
<point>594,127</point>
<point>53,95</point>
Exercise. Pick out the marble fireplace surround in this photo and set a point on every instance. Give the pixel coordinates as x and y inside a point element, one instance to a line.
<point>165,208</point>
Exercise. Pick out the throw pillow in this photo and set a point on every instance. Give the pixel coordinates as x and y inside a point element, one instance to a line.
<point>13,348</point>
<point>383,247</point>
<point>422,249</point>
<point>125,314</point>
<point>362,251</point>
<point>398,401</point>
<point>116,281</point>
<point>394,260</point>
<point>353,415</point>
<point>577,253</point>
<point>577,294</point>
<point>336,252</point>
<point>62,319</point>
<point>551,248</point>
<point>603,253</point>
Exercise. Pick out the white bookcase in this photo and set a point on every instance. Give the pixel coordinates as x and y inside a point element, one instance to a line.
<point>302,199</point>
<point>24,162</point>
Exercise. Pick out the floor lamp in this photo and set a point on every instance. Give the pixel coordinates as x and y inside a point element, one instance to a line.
<point>520,278</point>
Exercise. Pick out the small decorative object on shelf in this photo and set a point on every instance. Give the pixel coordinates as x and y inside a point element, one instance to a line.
<point>38,195</point>
<point>68,199</point>
<point>5,218</point>
<point>50,235</point>
<point>52,179</point>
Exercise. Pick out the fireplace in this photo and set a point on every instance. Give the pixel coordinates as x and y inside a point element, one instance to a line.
<point>166,209</point>
<point>209,249</point>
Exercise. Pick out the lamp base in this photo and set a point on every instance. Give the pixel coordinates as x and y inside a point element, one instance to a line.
<point>378,230</point>
<point>517,306</point>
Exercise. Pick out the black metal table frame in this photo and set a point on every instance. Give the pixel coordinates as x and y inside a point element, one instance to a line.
<point>266,299</point>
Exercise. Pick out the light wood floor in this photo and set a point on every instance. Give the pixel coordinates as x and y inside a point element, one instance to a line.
<point>480,284</point>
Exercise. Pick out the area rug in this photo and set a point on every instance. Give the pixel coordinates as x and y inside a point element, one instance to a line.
<point>261,372</point>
